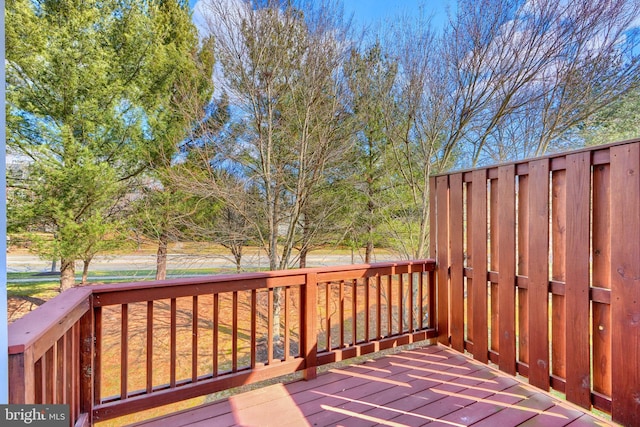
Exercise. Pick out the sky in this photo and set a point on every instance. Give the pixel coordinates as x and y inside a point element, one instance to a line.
<point>376,12</point>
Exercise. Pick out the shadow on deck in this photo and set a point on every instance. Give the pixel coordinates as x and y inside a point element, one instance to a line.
<point>431,385</point>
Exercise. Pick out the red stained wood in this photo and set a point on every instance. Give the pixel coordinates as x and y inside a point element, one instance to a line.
<point>493,266</point>
<point>86,361</point>
<point>194,339</point>
<point>309,325</point>
<point>287,322</point>
<point>149,351</point>
<point>124,352</point>
<point>432,217</point>
<point>173,343</point>
<point>559,255</point>
<point>578,369</point>
<point>601,276</point>
<point>523,268</point>
<point>457,262</point>
<point>216,333</point>
<point>479,265</point>
<point>442,223</point>
<point>234,333</point>
<point>538,292</point>
<point>625,282</point>
<point>254,327</point>
<point>507,268</point>
<point>469,262</point>
<point>405,389</point>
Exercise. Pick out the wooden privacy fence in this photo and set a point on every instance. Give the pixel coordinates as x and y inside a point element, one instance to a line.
<point>113,350</point>
<point>539,271</point>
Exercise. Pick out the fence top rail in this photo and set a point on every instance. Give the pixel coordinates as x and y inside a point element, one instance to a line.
<point>50,321</point>
<point>551,156</point>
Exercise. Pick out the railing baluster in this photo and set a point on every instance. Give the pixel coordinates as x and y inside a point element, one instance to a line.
<point>49,373</point>
<point>400,303</point>
<point>97,357</point>
<point>287,295</point>
<point>389,305</point>
<point>194,340</point>
<point>149,343</point>
<point>367,303</point>
<point>216,318</point>
<point>124,350</point>
<point>60,367</point>
<point>378,306</point>
<point>254,325</point>
<point>39,381</point>
<point>410,297</point>
<point>234,333</point>
<point>341,297</point>
<point>354,312</point>
<point>270,327</point>
<point>421,299</point>
<point>328,314</point>
<point>173,344</point>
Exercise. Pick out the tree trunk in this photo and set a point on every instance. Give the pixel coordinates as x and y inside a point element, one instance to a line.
<point>161,257</point>
<point>67,274</point>
<point>237,255</point>
<point>85,270</point>
<point>53,265</point>
<point>303,257</point>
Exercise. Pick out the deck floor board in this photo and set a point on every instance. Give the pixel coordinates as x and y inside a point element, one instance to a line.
<point>427,386</point>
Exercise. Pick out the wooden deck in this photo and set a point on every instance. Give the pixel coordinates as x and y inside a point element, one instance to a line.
<point>431,385</point>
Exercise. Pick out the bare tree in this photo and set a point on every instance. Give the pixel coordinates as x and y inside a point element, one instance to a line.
<point>279,65</point>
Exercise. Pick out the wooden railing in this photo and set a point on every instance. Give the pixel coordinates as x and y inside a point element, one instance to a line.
<point>113,350</point>
<point>538,271</point>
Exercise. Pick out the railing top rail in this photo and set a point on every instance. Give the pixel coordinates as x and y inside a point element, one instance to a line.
<point>230,278</point>
<point>550,156</point>
<point>40,328</point>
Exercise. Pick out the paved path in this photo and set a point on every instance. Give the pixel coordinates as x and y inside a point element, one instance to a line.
<point>30,263</point>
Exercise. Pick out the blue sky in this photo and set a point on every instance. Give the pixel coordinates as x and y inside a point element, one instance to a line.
<point>375,12</point>
<point>372,12</point>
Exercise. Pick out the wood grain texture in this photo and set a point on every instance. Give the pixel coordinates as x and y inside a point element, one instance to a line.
<point>442,208</point>
<point>538,292</point>
<point>479,265</point>
<point>625,282</point>
<point>457,262</point>
<point>507,267</point>
<point>578,369</point>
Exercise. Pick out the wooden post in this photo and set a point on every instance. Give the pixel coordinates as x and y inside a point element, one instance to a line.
<point>309,328</point>
<point>21,377</point>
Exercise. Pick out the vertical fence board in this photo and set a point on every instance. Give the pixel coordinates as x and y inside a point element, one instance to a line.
<point>578,187</point>
<point>523,268</point>
<point>442,208</point>
<point>85,392</point>
<point>479,263</point>
<point>601,277</point>
<point>539,273</point>
<point>432,216</point>
<point>493,266</point>
<point>457,262</point>
<point>559,255</point>
<point>216,332</point>
<point>469,260</point>
<point>625,282</point>
<point>507,268</point>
